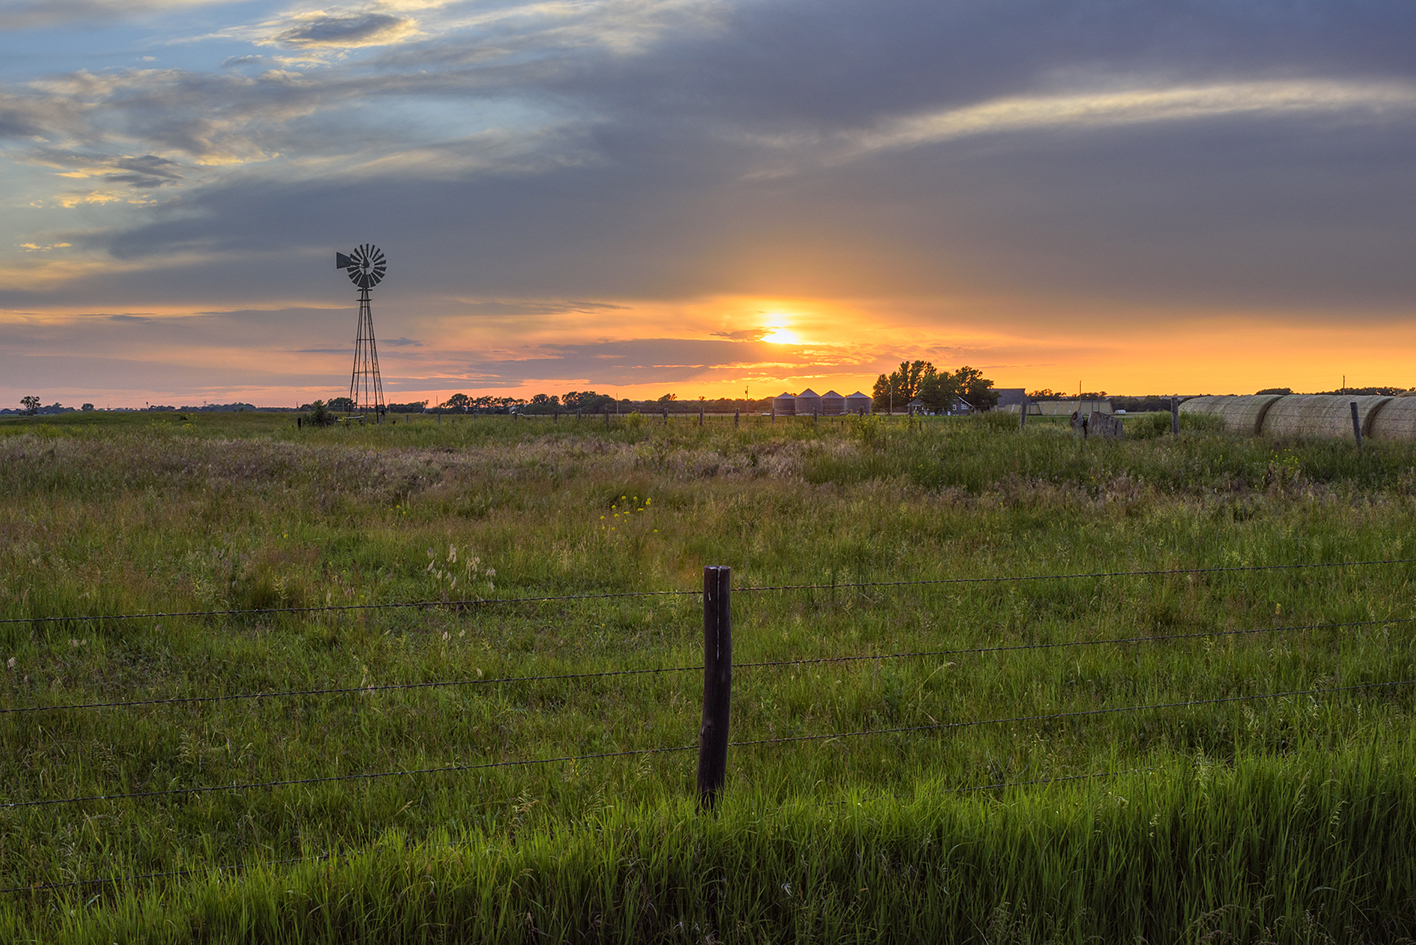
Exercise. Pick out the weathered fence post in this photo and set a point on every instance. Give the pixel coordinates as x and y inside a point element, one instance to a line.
<point>717,683</point>
<point>556,416</point>
<point>1175,416</point>
<point>700,415</point>
<point>1356,426</point>
<point>1023,415</point>
<point>737,415</point>
<point>607,418</point>
<point>666,416</point>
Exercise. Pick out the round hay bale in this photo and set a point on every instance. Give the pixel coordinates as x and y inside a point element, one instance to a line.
<point>1240,413</point>
<point>1394,420</point>
<point>1319,415</point>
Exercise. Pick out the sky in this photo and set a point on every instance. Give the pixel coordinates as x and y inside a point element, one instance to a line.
<point>704,197</point>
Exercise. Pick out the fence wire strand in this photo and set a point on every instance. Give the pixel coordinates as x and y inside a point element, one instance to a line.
<point>760,664</point>
<point>1081,713</point>
<point>750,743</point>
<point>749,589</point>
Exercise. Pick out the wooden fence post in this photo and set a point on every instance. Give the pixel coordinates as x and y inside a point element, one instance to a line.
<point>1356,427</point>
<point>1175,416</point>
<point>1023,415</point>
<point>607,418</point>
<point>717,683</point>
<point>737,415</point>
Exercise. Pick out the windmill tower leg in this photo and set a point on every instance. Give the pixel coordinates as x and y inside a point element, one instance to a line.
<point>365,384</point>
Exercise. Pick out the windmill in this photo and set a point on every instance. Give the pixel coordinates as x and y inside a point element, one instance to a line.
<point>366,267</point>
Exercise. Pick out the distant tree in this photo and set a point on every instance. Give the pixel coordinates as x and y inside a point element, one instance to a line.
<point>86,408</point>
<point>1045,394</point>
<point>901,386</point>
<point>937,389</point>
<point>341,405</point>
<point>457,402</point>
<point>668,397</point>
<point>1276,390</point>
<point>320,415</point>
<point>975,388</point>
<point>31,405</point>
<point>415,406</point>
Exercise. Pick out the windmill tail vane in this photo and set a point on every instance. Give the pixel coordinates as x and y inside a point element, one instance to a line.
<point>366,267</point>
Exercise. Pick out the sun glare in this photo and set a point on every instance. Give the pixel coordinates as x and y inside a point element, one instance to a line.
<point>778,335</point>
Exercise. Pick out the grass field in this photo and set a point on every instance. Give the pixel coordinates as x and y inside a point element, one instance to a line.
<point>1225,813</point>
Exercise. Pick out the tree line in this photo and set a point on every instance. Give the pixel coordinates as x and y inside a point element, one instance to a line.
<point>938,390</point>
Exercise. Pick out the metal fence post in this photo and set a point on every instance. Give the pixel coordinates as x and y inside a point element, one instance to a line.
<point>717,683</point>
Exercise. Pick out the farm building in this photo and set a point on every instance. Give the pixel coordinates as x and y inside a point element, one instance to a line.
<point>832,404</point>
<point>1011,399</point>
<point>784,404</point>
<point>1315,415</point>
<point>1065,408</point>
<point>808,403</point>
<point>858,404</point>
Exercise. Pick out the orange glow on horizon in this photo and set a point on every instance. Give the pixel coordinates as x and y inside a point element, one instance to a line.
<point>710,347</point>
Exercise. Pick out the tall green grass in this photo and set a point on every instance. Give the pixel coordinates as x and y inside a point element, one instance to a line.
<point>160,515</point>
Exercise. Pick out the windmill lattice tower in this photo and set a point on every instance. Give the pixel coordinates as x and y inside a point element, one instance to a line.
<point>366,267</point>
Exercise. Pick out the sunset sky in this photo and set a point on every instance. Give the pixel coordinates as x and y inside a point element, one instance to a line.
<point>704,196</point>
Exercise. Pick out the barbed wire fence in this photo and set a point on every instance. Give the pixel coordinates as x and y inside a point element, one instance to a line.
<point>717,668</point>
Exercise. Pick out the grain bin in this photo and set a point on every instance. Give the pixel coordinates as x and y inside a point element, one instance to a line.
<point>858,404</point>
<point>1240,414</point>
<point>784,404</point>
<point>1394,420</point>
<point>832,404</point>
<point>1325,415</point>
<point>808,403</point>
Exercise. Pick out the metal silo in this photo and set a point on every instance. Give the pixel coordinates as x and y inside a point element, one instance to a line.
<point>858,404</point>
<point>784,404</point>
<point>808,403</point>
<point>832,404</point>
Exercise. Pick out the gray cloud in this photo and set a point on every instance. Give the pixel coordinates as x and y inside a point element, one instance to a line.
<point>357,29</point>
<point>710,156</point>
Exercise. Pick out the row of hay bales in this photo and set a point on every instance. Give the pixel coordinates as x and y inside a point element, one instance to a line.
<point>810,404</point>
<point>1319,415</point>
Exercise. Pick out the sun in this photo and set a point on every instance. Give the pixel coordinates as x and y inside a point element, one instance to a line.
<point>779,335</point>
